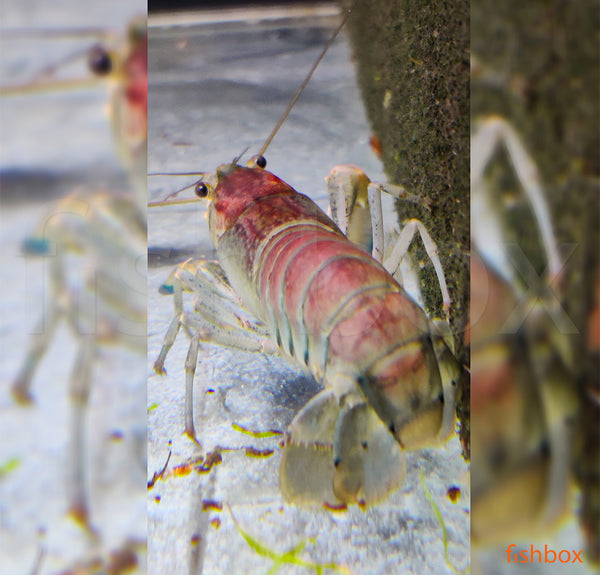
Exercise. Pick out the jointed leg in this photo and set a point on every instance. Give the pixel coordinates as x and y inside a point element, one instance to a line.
<point>351,201</point>
<point>79,392</point>
<point>350,191</point>
<point>392,263</point>
<point>488,136</point>
<point>228,336</point>
<point>191,361</point>
<point>41,339</point>
<point>216,318</point>
<point>38,346</point>
<point>401,248</point>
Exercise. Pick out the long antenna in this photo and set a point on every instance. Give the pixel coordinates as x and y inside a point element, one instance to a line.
<point>305,82</point>
<point>275,129</point>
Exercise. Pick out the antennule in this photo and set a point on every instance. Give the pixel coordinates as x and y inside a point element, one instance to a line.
<point>188,187</point>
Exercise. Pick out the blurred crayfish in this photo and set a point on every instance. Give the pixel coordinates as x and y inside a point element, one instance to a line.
<point>94,243</point>
<point>526,396</point>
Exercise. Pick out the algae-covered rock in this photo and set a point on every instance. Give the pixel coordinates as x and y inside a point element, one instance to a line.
<point>413,70</point>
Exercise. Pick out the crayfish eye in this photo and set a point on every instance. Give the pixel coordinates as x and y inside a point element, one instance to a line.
<point>99,61</point>
<point>201,190</point>
<point>258,161</point>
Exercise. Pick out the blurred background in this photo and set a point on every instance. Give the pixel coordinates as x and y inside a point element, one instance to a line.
<point>60,179</point>
<point>535,105</point>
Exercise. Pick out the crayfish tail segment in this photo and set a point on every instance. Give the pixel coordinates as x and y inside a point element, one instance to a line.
<point>405,389</point>
<point>337,455</point>
<point>450,373</point>
<point>350,447</point>
<point>369,463</point>
<point>315,422</point>
<point>306,475</point>
<point>506,515</point>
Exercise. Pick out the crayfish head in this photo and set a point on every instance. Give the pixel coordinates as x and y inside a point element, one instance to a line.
<point>257,162</point>
<point>236,189</point>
